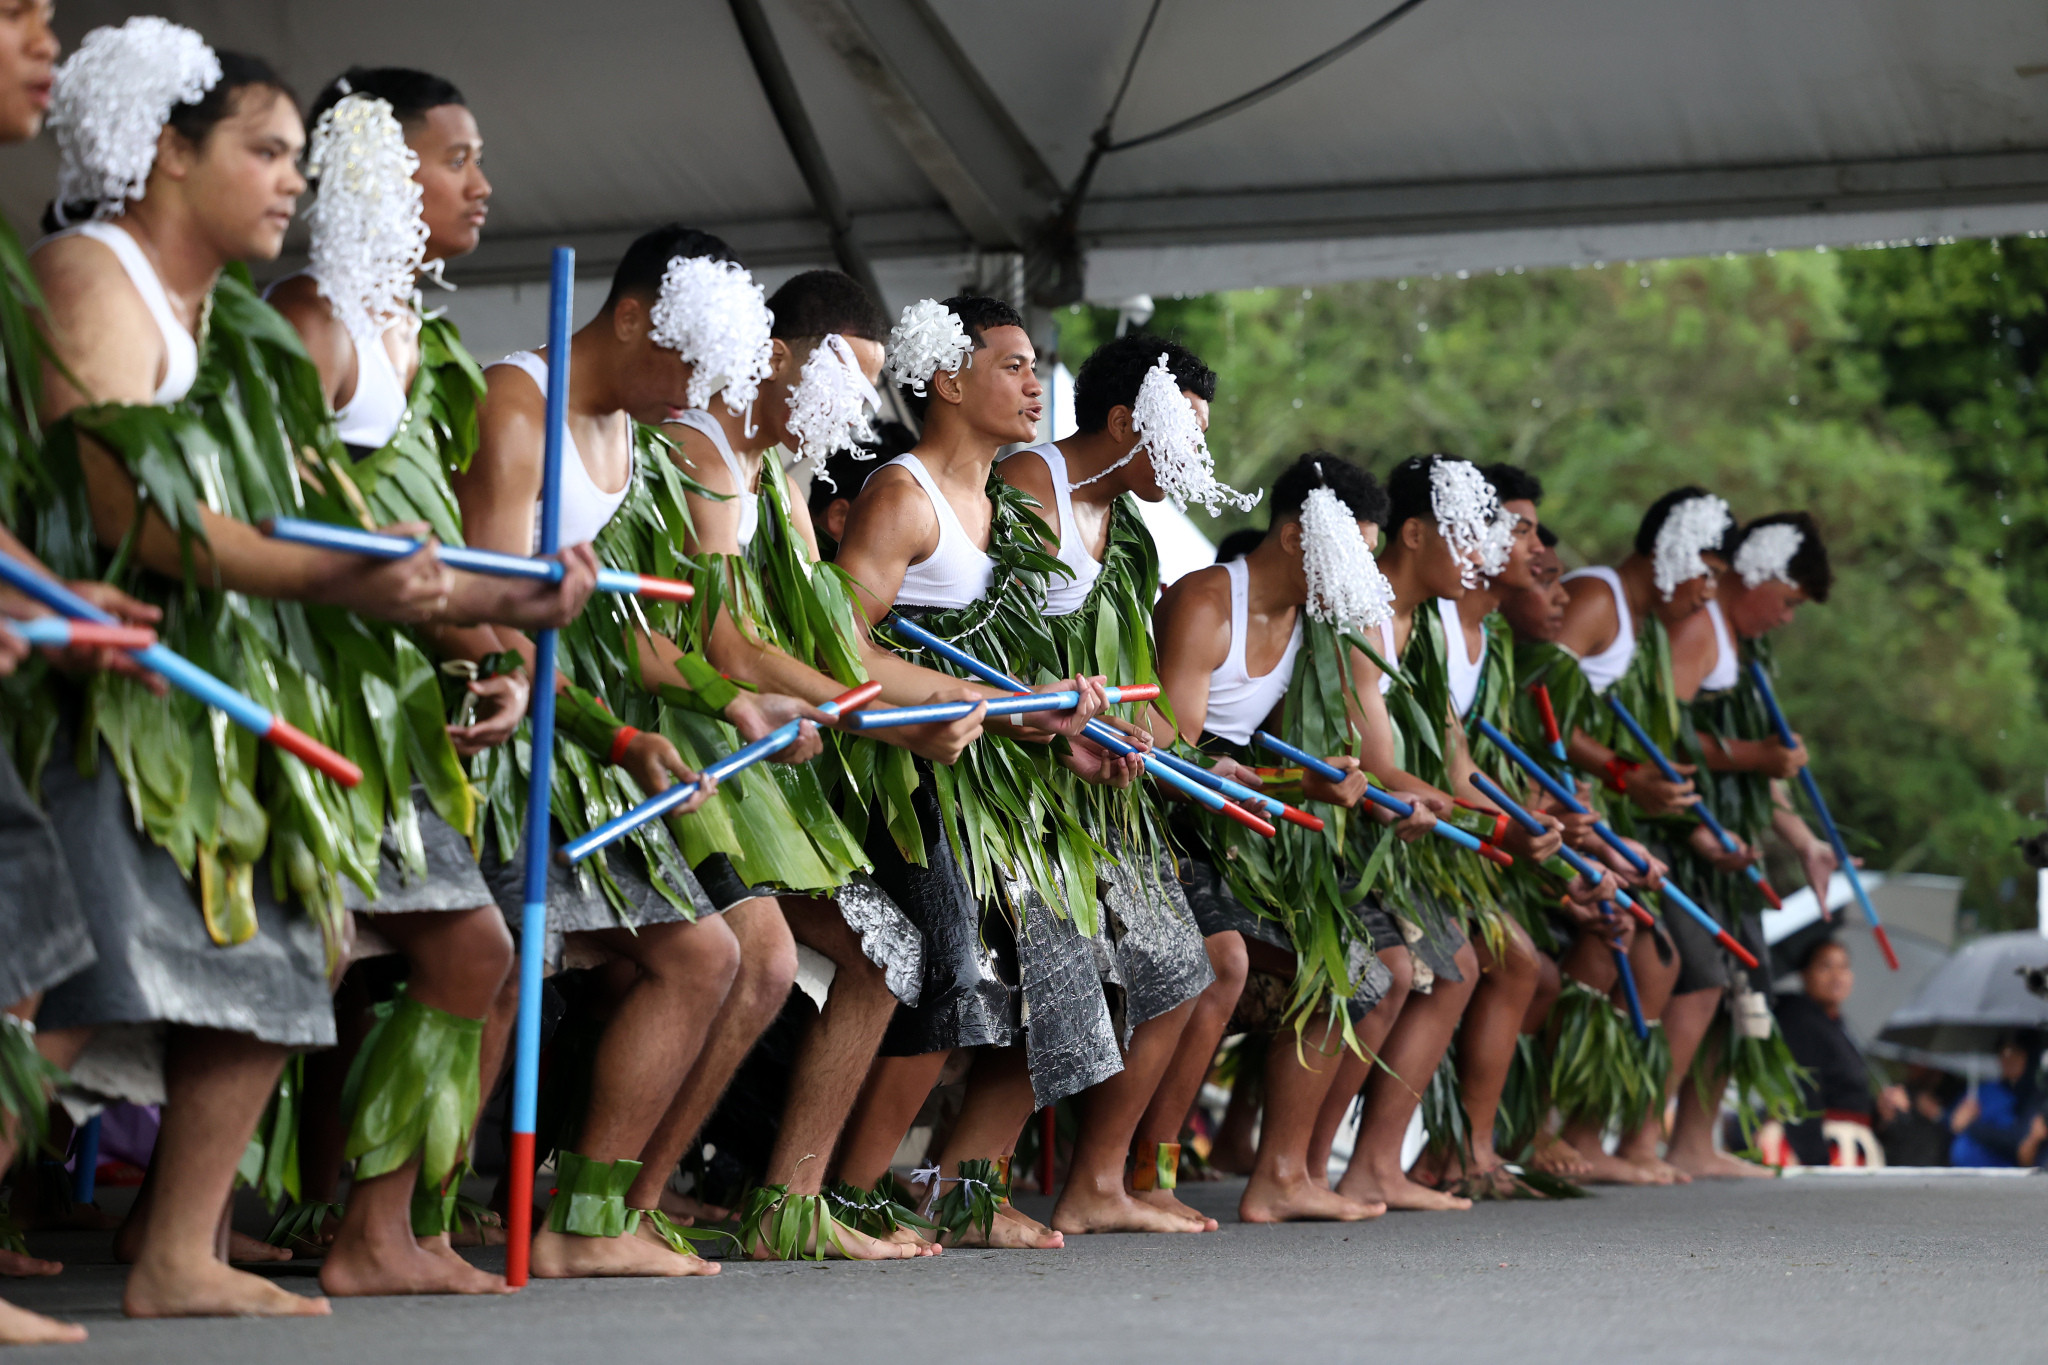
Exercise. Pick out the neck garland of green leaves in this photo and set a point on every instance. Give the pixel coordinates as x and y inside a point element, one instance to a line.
<point>1433,881</point>
<point>1308,881</point>
<point>252,439</point>
<point>1006,813</point>
<point>21,358</point>
<point>1110,634</point>
<point>407,480</point>
<point>1647,690</point>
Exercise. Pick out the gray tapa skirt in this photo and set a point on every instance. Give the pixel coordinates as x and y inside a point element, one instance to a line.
<point>44,937</point>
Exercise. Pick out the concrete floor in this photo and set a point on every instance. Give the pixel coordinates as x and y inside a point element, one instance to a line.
<point>1902,1268</point>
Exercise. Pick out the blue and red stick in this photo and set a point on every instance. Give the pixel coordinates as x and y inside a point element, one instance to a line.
<point>1331,773</point>
<point>1827,820</point>
<point>469,559</point>
<point>184,675</point>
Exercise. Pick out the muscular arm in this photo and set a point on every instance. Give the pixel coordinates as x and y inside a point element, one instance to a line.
<point>1191,624</point>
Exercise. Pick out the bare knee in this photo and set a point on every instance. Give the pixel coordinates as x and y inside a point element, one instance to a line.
<point>697,957</point>
<point>477,956</point>
<point>1466,960</point>
<point>1401,967</point>
<point>1232,965</point>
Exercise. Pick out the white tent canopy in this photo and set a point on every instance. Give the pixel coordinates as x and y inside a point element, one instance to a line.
<point>1466,134</point>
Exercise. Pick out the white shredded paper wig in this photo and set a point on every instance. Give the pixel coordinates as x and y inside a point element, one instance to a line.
<point>1469,517</point>
<point>111,100</point>
<point>1689,530</point>
<point>1766,553</point>
<point>927,338</point>
<point>1345,585</point>
<point>1170,431</point>
<point>829,407</point>
<point>368,236</point>
<point>713,315</point>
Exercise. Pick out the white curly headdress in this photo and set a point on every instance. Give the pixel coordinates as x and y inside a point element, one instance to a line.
<point>1345,585</point>
<point>1689,530</point>
<point>1469,517</point>
<point>368,236</point>
<point>829,407</point>
<point>927,338</point>
<point>1766,553</point>
<point>110,102</point>
<point>1168,428</point>
<point>713,315</point>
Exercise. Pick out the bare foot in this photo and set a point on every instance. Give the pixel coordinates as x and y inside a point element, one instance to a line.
<point>1554,1156</point>
<point>246,1249</point>
<point>691,1211</point>
<point>851,1244</point>
<point>911,1237</point>
<point>487,1231</point>
<point>1012,1231</point>
<point>1084,1210</point>
<point>1397,1191</point>
<point>19,1327</point>
<point>1603,1169</point>
<point>564,1256</point>
<point>1712,1165</point>
<point>1165,1199</point>
<point>1271,1201</point>
<point>21,1265</point>
<point>1662,1171</point>
<point>204,1288</point>
<point>358,1267</point>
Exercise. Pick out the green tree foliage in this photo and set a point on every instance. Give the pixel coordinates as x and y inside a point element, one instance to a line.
<point>1893,393</point>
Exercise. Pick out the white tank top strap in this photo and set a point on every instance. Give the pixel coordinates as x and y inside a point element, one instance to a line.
<point>1064,596</point>
<point>749,499</point>
<point>958,573</point>
<point>1604,669</point>
<point>585,507</point>
<point>1727,669</point>
<point>1388,652</point>
<point>1464,672</point>
<point>181,349</point>
<point>1238,702</point>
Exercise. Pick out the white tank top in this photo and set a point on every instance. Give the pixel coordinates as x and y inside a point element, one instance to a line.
<point>376,408</point>
<point>1464,672</point>
<point>957,574</point>
<point>585,507</point>
<point>747,499</point>
<point>1387,652</point>
<point>181,350</point>
<point>1727,668</point>
<point>1238,702</point>
<point>1604,669</point>
<point>1064,596</point>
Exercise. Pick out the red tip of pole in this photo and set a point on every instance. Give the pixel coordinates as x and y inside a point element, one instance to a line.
<point>855,697</point>
<point>293,740</point>
<point>92,635</point>
<point>666,589</point>
<point>1247,819</point>
<point>1137,692</point>
<point>1302,818</point>
<point>519,1209</point>
<point>1884,942</point>
<point>1643,917</point>
<point>1742,954</point>
<point>1498,855</point>
<point>1770,896</point>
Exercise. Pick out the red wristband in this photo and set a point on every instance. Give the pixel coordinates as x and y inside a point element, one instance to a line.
<point>1619,768</point>
<point>625,736</point>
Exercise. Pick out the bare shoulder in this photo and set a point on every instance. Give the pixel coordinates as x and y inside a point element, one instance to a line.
<point>512,417</point>
<point>1028,472</point>
<point>98,324</point>
<point>698,457</point>
<point>1590,621</point>
<point>893,511</point>
<point>1195,608</point>
<point>312,317</point>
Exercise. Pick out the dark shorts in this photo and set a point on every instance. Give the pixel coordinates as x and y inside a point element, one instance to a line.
<point>579,903</point>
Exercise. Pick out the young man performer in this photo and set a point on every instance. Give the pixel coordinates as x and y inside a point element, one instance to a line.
<point>1234,646</point>
<point>933,536</point>
<point>193,154</point>
<point>638,906</point>
<point>1142,406</point>
<point>1772,566</point>
<point>406,394</point>
<point>1618,626</point>
<point>827,340</point>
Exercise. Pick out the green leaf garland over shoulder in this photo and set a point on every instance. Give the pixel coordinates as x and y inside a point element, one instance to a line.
<point>22,353</point>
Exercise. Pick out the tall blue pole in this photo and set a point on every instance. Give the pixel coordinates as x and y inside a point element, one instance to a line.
<point>533,924</point>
